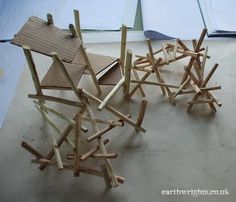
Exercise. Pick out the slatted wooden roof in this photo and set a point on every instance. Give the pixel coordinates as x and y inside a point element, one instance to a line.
<point>44,38</point>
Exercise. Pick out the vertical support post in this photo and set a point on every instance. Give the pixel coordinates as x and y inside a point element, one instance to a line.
<point>106,176</point>
<point>85,57</point>
<point>33,71</point>
<point>123,47</point>
<point>77,23</point>
<point>50,19</point>
<point>77,144</point>
<point>127,69</point>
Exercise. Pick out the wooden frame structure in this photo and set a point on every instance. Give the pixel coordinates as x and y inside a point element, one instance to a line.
<point>172,52</point>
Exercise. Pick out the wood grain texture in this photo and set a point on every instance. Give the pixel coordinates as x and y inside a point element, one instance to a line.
<point>44,39</point>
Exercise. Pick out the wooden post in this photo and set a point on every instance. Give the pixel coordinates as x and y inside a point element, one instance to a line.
<point>128,67</point>
<point>112,93</point>
<point>141,113</point>
<point>77,23</point>
<point>150,51</point>
<point>50,19</point>
<point>123,47</point>
<point>32,150</point>
<point>77,144</point>
<point>33,71</point>
<point>106,176</point>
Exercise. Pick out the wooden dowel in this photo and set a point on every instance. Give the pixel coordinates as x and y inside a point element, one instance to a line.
<point>99,133</point>
<point>61,115</point>
<point>142,66</point>
<point>109,122</point>
<point>136,76</point>
<point>105,156</point>
<point>112,93</point>
<point>106,176</point>
<point>92,151</point>
<point>195,87</point>
<point>217,101</point>
<point>140,56</point>
<point>54,142</point>
<point>194,43</point>
<point>182,87</point>
<point>77,23</point>
<point>195,97</point>
<point>143,70</point>
<point>73,31</point>
<point>198,69</point>
<point>114,111</point>
<point>32,150</point>
<point>56,99</point>
<point>123,46</point>
<point>165,54</point>
<point>159,79</point>
<point>141,113</point>
<point>100,143</point>
<point>61,139</point>
<point>209,75</point>
<point>33,71</point>
<point>175,49</point>
<point>139,84</point>
<point>204,60</point>
<point>155,83</point>
<point>199,43</point>
<point>191,75</point>
<point>150,51</point>
<point>128,65</point>
<point>50,19</point>
<point>141,61</point>
<point>181,43</point>
<point>77,131</point>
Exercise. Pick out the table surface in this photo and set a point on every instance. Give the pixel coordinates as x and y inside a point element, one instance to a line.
<point>179,150</point>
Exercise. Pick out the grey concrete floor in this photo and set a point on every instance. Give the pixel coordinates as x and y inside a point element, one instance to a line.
<point>180,150</point>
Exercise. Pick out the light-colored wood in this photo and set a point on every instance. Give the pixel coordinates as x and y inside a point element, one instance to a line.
<point>109,122</point>
<point>92,151</point>
<point>136,76</point>
<point>150,51</point>
<point>127,74</point>
<point>106,176</point>
<point>123,46</point>
<point>105,156</point>
<point>77,24</point>
<point>204,60</point>
<point>112,93</point>
<point>155,83</point>
<point>54,142</point>
<point>141,113</point>
<point>114,111</point>
<point>210,75</point>
<point>33,71</point>
<point>77,131</point>
<point>56,99</point>
<point>32,150</point>
<point>50,19</point>
<point>165,54</point>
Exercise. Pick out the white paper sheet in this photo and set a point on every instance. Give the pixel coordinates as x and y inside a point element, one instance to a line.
<point>98,15</point>
<point>224,12</point>
<point>171,19</point>
<point>11,65</point>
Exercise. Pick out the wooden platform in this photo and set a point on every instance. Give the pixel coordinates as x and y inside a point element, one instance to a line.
<point>44,39</point>
<point>55,79</point>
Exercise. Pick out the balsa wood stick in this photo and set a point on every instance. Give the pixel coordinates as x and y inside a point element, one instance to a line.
<point>109,122</point>
<point>204,60</point>
<point>77,23</point>
<point>123,47</point>
<point>181,43</point>
<point>54,142</point>
<point>112,93</point>
<point>56,99</point>
<point>106,176</point>
<point>61,115</point>
<point>61,139</point>
<point>114,111</point>
<point>85,57</point>
<point>150,51</point>
<point>105,156</point>
<point>165,54</point>
<point>92,151</point>
<point>77,131</point>
<point>99,133</point>
<point>141,112</point>
<point>209,75</point>
<point>136,76</point>
<point>128,65</point>
<point>182,87</point>
<point>155,83</point>
<point>32,150</point>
